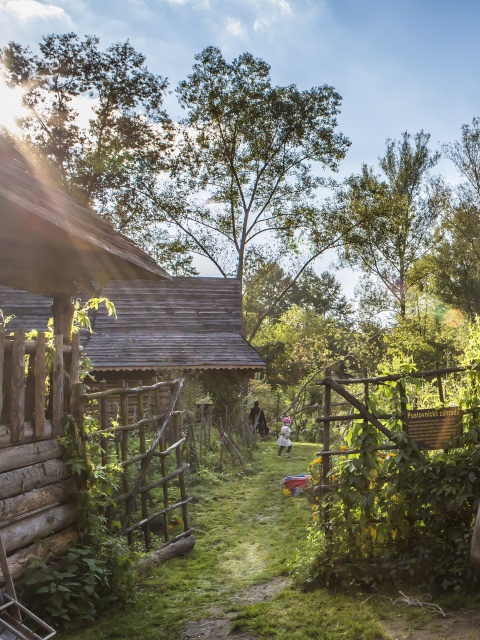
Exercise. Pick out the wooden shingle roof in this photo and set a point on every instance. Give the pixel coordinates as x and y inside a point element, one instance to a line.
<point>48,242</point>
<point>184,323</point>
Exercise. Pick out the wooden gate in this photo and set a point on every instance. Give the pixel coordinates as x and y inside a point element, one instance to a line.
<point>144,446</point>
<point>360,409</point>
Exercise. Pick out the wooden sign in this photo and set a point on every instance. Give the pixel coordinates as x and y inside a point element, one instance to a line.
<point>433,428</point>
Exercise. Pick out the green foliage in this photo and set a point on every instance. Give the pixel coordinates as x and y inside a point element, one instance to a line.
<point>76,588</point>
<point>407,512</point>
<point>387,221</point>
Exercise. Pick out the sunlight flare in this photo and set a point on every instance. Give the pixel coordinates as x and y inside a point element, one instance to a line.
<point>11,106</point>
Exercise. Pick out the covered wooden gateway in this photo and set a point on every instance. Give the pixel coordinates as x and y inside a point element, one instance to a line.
<point>183,323</point>
<point>49,245</point>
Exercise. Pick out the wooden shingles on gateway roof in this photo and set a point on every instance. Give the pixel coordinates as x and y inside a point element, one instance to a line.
<point>48,242</point>
<point>185,323</point>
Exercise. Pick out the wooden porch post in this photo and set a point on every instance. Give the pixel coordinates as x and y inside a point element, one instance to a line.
<point>62,309</point>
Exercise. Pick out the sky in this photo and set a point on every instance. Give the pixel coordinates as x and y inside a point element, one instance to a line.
<point>399,65</point>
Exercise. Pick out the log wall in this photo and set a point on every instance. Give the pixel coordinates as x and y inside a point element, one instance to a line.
<point>37,509</point>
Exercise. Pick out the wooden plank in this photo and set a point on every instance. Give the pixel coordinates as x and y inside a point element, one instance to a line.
<point>157,454</point>
<point>135,425</point>
<point>350,416</point>
<point>158,514</point>
<point>57,384</point>
<point>40,386</point>
<point>18,386</point>
<point>128,390</point>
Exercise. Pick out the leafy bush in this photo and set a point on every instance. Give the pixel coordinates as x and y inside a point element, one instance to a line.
<point>76,588</point>
<point>400,515</point>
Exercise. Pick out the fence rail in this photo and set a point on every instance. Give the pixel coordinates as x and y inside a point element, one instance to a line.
<point>143,446</point>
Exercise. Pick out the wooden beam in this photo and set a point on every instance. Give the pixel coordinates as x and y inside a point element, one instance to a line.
<point>431,373</point>
<point>335,386</point>
<point>63,309</point>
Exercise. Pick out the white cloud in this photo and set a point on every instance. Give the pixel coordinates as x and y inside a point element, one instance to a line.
<point>202,4</point>
<point>272,11</point>
<point>236,28</point>
<point>26,10</point>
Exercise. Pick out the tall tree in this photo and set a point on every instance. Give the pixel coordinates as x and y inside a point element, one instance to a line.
<point>98,115</point>
<point>320,293</point>
<point>388,220</point>
<point>457,256</point>
<point>244,165</point>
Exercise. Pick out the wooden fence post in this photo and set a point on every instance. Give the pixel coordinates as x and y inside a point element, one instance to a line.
<point>40,386</point>
<point>439,383</point>
<point>58,385</point>
<point>181,479</point>
<point>104,423</point>
<point>366,396</point>
<point>326,428</point>
<point>143,467</point>
<point>163,468</point>
<point>124,447</point>
<point>18,386</point>
<point>403,401</point>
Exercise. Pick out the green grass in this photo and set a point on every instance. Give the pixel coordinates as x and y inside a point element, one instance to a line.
<point>247,531</point>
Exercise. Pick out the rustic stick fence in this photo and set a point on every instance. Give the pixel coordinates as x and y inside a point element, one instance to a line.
<point>33,399</point>
<point>360,409</point>
<point>142,446</point>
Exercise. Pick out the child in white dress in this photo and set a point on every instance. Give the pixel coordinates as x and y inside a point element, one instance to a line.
<point>284,439</point>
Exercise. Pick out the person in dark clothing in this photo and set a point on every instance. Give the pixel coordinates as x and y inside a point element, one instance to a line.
<point>258,421</point>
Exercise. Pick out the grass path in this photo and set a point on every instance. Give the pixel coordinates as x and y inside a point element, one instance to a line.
<point>247,531</point>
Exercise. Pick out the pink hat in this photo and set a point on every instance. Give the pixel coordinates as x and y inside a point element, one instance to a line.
<point>286,420</point>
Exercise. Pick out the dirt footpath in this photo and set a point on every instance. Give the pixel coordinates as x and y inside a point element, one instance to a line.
<point>217,627</point>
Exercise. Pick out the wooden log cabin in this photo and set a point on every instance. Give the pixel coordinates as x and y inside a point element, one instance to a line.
<point>52,248</point>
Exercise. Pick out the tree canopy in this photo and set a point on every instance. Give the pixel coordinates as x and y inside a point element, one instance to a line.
<point>388,220</point>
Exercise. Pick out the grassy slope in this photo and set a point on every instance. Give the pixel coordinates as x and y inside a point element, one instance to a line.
<point>246,532</point>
